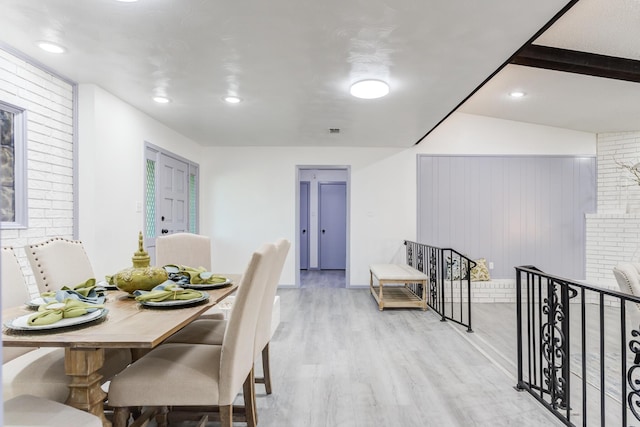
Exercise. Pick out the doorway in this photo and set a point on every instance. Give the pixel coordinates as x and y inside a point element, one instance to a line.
<point>323,226</point>
<point>171,191</point>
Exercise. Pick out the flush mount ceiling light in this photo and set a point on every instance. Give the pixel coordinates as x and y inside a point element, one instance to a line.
<point>232,99</point>
<point>127,1</point>
<point>369,89</point>
<point>517,94</point>
<point>51,47</point>
<point>161,99</point>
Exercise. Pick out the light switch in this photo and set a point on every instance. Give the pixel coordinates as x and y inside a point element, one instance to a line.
<point>490,265</point>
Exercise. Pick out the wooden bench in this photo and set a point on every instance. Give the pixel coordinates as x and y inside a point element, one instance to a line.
<point>397,296</point>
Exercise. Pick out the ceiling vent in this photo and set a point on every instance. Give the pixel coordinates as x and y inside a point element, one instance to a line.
<point>334,130</point>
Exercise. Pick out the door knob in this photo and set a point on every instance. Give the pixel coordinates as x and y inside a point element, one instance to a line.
<point>164,231</point>
<point>304,231</point>
<point>322,231</point>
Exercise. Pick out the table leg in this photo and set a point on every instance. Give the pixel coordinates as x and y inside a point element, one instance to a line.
<point>82,366</point>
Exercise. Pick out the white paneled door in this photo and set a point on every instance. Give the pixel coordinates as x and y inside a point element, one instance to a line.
<point>173,214</point>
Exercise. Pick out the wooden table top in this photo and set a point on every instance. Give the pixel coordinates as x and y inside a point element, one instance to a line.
<point>127,324</point>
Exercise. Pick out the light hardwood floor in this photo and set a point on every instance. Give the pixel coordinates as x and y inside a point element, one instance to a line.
<point>322,279</point>
<point>338,361</point>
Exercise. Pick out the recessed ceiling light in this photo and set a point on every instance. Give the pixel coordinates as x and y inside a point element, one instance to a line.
<point>161,99</point>
<point>517,94</point>
<point>369,89</point>
<point>232,99</point>
<point>51,47</point>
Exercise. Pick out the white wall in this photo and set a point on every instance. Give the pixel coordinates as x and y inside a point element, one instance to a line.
<point>112,135</point>
<point>253,199</point>
<point>252,194</point>
<point>470,134</point>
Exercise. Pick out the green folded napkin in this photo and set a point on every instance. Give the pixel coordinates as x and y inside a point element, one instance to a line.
<point>195,275</point>
<point>54,311</point>
<point>83,288</point>
<point>169,292</point>
<point>206,278</point>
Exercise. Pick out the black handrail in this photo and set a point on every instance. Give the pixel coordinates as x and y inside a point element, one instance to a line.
<point>444,267</point>
<point>566,352</point>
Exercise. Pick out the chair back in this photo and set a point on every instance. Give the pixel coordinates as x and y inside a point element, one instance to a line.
<point>14,285</point>
<point>237,348</point>
<point>14,293</point>
<point>59,262</point>
<point>263,332</point>
<point>192,250</point>
<point>627,275</point>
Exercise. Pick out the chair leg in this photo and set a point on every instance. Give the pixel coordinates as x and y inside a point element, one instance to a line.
<point>249,392</point>
<point>120,417</point>
<point>265,368</point>
<point>226,416</point>
<point>162,417</point>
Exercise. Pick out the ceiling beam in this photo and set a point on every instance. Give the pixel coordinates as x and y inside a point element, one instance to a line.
<point>572,61</point>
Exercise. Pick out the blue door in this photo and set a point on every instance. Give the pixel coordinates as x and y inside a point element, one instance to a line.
<point>304,225</point>
<point>332,224</point>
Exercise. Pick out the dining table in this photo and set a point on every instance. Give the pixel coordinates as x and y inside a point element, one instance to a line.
<point>127,324</point>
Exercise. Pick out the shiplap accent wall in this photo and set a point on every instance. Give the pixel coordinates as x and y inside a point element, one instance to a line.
<point>613,233</point>
<point>511,210</point>
<point>48,101</point>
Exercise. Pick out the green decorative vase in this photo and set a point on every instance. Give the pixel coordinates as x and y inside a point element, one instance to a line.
<point>141,276</point>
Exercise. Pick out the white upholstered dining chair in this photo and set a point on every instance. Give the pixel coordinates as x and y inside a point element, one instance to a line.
<point>212,331</point>
<point>27,410</point>
<point>59,262</point>
<point>199,375</point>
<point>192,250</point>
<point>627,275</point>
<point>28,370</point>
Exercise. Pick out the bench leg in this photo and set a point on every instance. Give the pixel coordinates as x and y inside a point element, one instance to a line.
<point>424,295</point>
<point>380,300</point>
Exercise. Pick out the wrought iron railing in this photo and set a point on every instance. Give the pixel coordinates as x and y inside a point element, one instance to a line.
<point>578,350</point>
<point>449,280</point>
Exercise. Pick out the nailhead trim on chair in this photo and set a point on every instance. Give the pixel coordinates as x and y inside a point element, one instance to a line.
<point>46,242</point>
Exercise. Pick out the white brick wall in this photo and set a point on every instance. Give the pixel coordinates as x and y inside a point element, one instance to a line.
<point>617,192</point>
<point>613,233</point>
<point>48,101</point>
<point>493,291</point>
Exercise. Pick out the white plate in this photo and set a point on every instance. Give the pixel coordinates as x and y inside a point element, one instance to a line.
<point>20,323</point>
<point>103,284</point>
<point>207,286</point>
<point>175,303</point>
<point>36,302</point>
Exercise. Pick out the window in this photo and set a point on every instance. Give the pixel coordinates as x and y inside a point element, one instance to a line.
<point>13,209</point>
